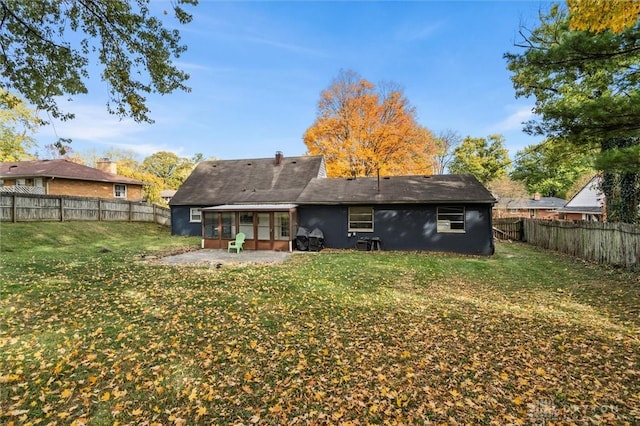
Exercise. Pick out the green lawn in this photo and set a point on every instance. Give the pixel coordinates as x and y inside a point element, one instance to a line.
<point>340,337</point>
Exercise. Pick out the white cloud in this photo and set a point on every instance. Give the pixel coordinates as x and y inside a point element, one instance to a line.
<point>295,48</point>
<point>192,66</point>
<point>146,149</point>
<point>413,32</point>
<point>93,125</point>
<point>513,121</point>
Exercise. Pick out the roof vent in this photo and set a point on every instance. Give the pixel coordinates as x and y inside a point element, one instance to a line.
<point>248,164</point>
<point>386,177</point>
<point>427,176</point>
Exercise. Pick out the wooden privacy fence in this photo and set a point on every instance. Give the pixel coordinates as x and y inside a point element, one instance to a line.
<point>508,229</point>
<point>612,243</point>
<point>16,207</point>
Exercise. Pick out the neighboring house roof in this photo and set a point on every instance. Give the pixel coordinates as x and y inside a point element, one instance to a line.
<point>396,189</point>
<point>167,193</point>
<point>63,169</point>
<point>260,180</point>
<point>589,199</point>
<point>546,203</point>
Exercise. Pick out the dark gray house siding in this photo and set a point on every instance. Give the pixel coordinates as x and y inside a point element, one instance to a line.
<point>181,222</point>
<point>404,227</point>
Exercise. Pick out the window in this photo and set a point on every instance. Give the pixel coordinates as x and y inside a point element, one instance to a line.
<point>361,219</point>
<point>451,219</point>
<point>21,182</point>
<point>282,226</point>
<point>120,190</point>
<point>195,215</point>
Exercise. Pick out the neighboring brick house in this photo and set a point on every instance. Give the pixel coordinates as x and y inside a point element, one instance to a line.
<point>536,207</point>
<point>63,177</point>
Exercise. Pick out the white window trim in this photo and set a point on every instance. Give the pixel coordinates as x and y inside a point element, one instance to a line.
<point>443,226</point>
<point>360,229</point>
<point>123,193</point>
<point>195,215</point>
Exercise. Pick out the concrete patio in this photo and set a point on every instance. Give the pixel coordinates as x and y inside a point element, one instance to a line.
<point>222,257</point>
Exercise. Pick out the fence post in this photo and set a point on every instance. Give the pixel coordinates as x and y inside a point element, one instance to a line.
<point>99,210</point>
<point>61,209</point>
<point>15,209</point>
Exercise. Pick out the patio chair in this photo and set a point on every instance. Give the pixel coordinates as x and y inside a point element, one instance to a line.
<point>237,244</point>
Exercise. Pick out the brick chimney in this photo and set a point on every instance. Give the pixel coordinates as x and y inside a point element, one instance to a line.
<point>106,165</point>
<point>536,196</point>
<point>279,157</point>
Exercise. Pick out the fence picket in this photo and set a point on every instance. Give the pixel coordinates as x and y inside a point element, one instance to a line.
<point>17,207</point>
<point>616,244</point>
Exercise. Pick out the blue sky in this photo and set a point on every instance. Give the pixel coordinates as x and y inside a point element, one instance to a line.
<point>257,69</point>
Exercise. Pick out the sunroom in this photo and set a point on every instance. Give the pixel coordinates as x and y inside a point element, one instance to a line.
<point>265,226</point>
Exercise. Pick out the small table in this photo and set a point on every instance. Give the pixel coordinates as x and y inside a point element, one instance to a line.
<point>376,243</point>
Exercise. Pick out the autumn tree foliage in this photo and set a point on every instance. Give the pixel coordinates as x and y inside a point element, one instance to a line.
<point>363,130</point>
<point>485,158</point>
<point>602,15</point>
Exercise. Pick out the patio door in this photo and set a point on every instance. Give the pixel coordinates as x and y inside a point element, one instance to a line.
<point>247,226</point>
<point>263,231</point>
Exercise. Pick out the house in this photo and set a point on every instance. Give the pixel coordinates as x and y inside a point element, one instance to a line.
<point>269,199</point>
<point>587,204</point>
<point>536,207</point>
<point>63,177</point>
<point>167,194</point>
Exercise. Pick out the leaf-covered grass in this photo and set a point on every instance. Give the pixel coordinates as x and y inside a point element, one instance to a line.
<point>339,337</point>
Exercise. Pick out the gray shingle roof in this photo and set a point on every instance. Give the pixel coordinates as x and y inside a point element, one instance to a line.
<point>259,180</point>
<point>529,203</point>
<point>59,169</point>
<point>396,189</point>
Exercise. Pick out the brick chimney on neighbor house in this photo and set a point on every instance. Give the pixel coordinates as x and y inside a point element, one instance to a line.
<point>279,157</point>
<point>536,196</point>
<point>106,165</point>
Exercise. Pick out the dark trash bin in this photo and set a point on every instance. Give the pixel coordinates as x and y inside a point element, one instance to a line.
<point>302,239</point>
<point>363,244</point>
<point>316,240</point>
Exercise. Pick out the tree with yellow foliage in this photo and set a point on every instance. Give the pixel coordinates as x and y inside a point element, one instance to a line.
<point>363,131</point>
<point>601,15</point>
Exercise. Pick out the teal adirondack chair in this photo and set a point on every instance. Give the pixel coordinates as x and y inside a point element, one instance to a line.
<point>237,244</point>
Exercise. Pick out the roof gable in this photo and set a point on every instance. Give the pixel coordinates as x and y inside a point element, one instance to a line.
<point>64,169</point>
<point>589,196</point>
<point>259,180</point>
